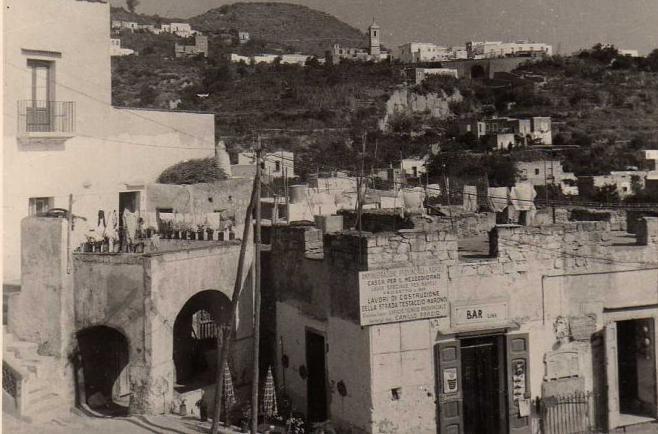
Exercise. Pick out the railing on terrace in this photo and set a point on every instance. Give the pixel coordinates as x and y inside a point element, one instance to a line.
<point>46,117</point>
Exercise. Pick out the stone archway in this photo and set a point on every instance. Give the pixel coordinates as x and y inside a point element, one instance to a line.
<point>195,338</point>
<point>104,357</point>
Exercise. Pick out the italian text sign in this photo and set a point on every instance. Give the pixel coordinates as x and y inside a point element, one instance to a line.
<point>401,294</point>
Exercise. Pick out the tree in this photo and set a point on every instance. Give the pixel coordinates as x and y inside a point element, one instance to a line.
<point>147,95</point>
<point>132,4</point>
<point>652,60</point>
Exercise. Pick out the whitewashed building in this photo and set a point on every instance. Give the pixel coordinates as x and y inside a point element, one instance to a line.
<point>62,136</point>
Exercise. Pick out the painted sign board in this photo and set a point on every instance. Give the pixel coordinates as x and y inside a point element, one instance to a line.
<point>477,313</point>
<point>401,294</point>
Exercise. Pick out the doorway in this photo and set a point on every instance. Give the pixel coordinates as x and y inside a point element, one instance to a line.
<point>636,368</point>
<point>316,382</point>
<point>484,385</point>
<point>104,360</point>
<point>195,339</point>
<point>128,200</point>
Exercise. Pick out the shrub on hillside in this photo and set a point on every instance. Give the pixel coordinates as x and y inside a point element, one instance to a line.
<point>192,172</point>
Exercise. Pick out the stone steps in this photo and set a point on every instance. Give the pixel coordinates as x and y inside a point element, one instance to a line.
<point>41,400</point>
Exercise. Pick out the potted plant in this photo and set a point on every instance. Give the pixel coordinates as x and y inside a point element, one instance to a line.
<point>150,231</point>
<point>295,424</point>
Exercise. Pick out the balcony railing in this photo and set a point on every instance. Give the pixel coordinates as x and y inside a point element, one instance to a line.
<point>46,117</point>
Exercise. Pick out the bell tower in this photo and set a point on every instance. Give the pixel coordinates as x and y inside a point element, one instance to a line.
<point>373,33</point>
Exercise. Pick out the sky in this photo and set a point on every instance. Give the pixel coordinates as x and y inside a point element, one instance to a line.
<point>566,24</point>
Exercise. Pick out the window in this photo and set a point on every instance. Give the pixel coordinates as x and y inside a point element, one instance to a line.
<point>536,171</point>
<point>39,113</point>
<point>40,205</point>
<point>277,166</point>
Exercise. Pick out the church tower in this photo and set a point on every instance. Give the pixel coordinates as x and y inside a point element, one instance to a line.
<point>373,33</point>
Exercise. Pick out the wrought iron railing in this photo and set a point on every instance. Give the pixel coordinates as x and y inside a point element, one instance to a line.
<point>11,380</point>
<point>46,117</point>
<point>13,383</point>
<point>566,414</point>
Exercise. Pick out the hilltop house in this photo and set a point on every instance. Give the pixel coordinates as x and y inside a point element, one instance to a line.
<point>200,47</point>
<point>116,50</point>
<point>488,49</point>
<point>625,182</point>
<point>537,128</point>
<point>275,164</point>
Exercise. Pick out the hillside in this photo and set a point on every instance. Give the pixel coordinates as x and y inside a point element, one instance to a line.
<point>604,109</point>
<point>119,13</point>
<point>295,27</point>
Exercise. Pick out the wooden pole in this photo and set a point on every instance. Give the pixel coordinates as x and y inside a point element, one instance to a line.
<point>257,240</point>
<point>224,341</point>
<point>68,234</point>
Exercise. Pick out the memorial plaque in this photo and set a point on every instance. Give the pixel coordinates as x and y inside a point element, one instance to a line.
<point>401,294</point>
<point>562,364</point>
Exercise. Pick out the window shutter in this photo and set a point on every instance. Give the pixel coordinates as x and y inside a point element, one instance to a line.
<point>518,381</point>
<point>449,388</point>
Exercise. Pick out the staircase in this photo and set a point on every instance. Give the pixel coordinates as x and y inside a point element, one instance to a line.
<point>32,381</point>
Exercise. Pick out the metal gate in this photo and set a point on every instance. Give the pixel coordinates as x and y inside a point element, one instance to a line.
<point>565,414</point>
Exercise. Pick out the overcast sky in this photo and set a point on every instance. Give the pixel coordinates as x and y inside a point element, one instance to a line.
<point>566,24</point>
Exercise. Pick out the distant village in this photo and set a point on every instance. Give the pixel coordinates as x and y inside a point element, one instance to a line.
<point>158,280</point>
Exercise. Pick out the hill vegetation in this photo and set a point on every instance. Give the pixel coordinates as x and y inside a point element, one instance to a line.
<point>293,28</point>
<point>601,103</point>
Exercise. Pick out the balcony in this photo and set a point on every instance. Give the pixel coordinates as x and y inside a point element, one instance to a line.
<point>46,119</point>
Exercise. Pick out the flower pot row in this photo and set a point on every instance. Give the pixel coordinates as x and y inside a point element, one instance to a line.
<point>200,235</point>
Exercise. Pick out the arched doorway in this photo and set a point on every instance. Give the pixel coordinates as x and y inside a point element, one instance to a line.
<point>104,357</point>
<point>195,338</point>
<point>477,72</point>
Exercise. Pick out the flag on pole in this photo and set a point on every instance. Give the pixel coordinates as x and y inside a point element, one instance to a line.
<point>269,395</point>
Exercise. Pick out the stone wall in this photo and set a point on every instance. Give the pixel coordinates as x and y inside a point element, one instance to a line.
<point>464,224</point>
<point>616,217</point>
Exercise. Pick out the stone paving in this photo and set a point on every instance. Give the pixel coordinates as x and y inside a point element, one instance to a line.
<point>74,424</point>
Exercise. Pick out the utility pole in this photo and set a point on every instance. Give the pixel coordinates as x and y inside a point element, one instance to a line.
<point>68,234</point>
<point>446,180</point>
<point>224,341</point>
<point>360,185</point>
<point>257,240</point>
<point>545,185</point>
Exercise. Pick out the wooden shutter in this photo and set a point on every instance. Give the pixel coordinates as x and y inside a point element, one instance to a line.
<point>449,388</point>
<point>611,375</point>
<point>518,381</point>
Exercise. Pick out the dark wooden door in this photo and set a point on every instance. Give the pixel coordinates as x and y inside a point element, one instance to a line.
<point>316,381</point>
<point>481,378</point>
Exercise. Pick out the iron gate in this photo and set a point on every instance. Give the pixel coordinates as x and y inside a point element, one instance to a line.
<point>565,414</point>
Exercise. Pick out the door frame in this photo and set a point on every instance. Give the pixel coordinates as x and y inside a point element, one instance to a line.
<point>610,319</point>
<point>503,335</point>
